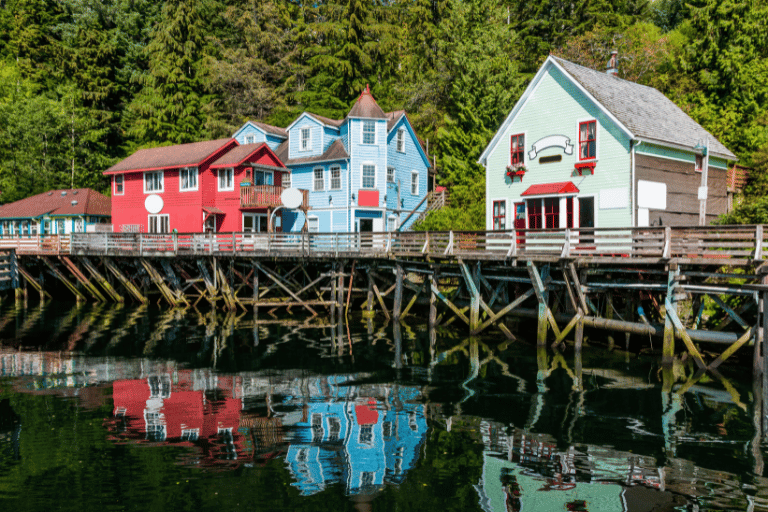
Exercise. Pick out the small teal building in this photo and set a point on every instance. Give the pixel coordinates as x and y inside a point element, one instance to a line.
<point>56,212</point>
<point>367,172</point>
<point>583,148</point>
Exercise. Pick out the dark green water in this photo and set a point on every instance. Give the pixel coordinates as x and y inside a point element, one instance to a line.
<point>133,409</point>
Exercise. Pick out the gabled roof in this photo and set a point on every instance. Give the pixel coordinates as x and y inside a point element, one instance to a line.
<point>642,112</point>
<point>181,155</point>
<point>548,189</point>
<point>58,202</point>
<point>242,154</point>
<point>333,123</point>
<point>393,118</point>
<point>274,130</point>
<point>335,151</point>
<point>366,106</point>
<point>645,111</point>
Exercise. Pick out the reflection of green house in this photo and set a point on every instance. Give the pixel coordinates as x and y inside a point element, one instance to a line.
<point>503,481</point>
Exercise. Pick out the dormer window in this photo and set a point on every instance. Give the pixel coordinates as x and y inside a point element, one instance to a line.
<point>304,145</point>
<point>587,140</point>
<point>401,140</point>
<point>369,132</point>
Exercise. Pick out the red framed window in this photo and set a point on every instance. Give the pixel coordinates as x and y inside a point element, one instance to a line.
<point>499,215</point>
<point>552,212</point>
<point>517,149</point>
<point>569,212</point>
<point>587,140</point>
<point>534,214</point>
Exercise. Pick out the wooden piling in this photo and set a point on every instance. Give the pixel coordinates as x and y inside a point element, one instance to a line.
<point>91,268</point>
<point>70,286</point>
<point>668,347</point>
<point>397,307</point>
<point>132,289</point>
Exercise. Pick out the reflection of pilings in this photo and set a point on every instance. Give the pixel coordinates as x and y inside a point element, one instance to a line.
<point>397,334</point>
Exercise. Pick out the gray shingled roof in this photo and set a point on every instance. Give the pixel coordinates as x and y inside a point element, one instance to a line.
<point>646,112</point>
<point>327,120</point>
<point>335,151</point>
<point>239,155</point>
<point>274,130</point>
<point>393,118</point>
<point>366,106</point>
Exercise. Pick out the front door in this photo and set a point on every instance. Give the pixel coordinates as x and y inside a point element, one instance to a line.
<point>365,225</point>
<point>209,226</point>
<point>587,219</point>
<point>254,223</point>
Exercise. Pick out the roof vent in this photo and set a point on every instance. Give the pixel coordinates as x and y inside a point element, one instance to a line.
<point>74,192</point>
<point>63,192</point>
<point>74,203</point>
<point>50,193</point>
<point>613,64</point>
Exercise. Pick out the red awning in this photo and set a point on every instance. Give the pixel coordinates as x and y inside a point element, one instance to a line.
<point>214,210</point>
<point>550,189</point>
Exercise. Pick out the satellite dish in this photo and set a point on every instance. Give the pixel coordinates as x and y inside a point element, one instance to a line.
<point>292,198</point>
<point>153,204</point>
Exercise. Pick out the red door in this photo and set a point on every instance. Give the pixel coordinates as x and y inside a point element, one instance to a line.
<point>520,222</point>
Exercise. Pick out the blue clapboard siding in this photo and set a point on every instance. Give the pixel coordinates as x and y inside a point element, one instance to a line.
<point>412,159</point>
<point>315,140</point>
<point>259,135</point>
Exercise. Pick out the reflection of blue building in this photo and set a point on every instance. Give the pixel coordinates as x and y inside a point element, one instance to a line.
<point>364,436</point>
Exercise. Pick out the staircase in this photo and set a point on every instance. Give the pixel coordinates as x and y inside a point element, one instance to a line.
<point>435,201</point>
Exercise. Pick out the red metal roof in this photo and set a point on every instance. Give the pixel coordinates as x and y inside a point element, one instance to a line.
<point>214,210</point>
<point>241,154</point>
<point>548,189</point>
<point>58,202</point>
<point>181,155</point>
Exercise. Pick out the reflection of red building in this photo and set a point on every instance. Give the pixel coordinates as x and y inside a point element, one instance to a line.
<point>173,408</point>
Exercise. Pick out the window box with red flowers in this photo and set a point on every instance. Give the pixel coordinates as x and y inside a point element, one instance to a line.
<point>516,170</point>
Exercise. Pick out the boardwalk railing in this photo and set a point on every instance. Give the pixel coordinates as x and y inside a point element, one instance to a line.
<point>708,244</point>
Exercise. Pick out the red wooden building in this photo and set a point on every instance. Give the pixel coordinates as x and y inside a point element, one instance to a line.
<point>214,185</point>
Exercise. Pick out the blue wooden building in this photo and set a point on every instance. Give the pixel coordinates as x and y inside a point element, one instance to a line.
<point>56,212</point>
<point>366,172</point>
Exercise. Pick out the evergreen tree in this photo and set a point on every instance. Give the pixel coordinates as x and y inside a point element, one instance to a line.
<point>170,105</point>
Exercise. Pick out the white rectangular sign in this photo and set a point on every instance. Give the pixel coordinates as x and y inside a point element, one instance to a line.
<point>614,198</point>
<point>652,195</point>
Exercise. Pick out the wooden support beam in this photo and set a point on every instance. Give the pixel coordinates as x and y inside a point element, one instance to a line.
<point>226,291</point>
<point>575,320</point>
<point>668,348</point>
<point>421,290</point>
<point>577,287</point>
<point>349,292</point>
<point>71,287</point>
<point>543,297</point>
<point>732,349</point>
<point>32,282</point>
<point>378,296</point>
<point>210,286</point>
<point>450,304</point>
<point>157,279</point>
<point>276,279</point>
<point>398,305</point>
<point>497,316</point>
<point>82,278</point>
<point>729,311</point>
<point>672,315</point>
<point>174,281</point>
<point>91,268</point>
<point>474,294</point>
<point>132,289</point>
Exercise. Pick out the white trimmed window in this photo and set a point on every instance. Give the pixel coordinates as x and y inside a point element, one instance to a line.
<point>369,176</point>
<point>369,132</point>
<point>319,181</point>
<point>415,183</point>
<point>305,140</point>
<point>401,140</point>
<point>335,177</point>
<point>286,180</point>
<point>226,179</point>
<point>119,185</point>
<point>250,139</point>
<point>391,223</point>
<point>314,224</point>
<point>390,174</point>
<point>153,182</point>
<point>159,223</point>
<point>188,179</point>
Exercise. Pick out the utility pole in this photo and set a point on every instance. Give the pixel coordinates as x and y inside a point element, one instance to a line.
<point>703,190</point>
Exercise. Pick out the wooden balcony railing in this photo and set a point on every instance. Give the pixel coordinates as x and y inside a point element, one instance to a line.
<point>265,196</point>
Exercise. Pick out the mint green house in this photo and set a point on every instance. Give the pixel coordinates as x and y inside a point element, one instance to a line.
<point>583,148</point>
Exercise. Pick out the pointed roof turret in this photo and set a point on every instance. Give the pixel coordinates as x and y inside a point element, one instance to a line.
<point>366,106</point>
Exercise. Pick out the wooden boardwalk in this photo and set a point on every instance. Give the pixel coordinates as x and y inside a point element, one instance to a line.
<point>691,245</point>
<point>655,281</point>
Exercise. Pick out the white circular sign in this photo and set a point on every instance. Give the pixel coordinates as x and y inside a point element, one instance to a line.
<point>292,198</point>
<point>153,203</point>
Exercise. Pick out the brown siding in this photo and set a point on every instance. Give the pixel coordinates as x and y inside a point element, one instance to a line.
<point>682,190</point>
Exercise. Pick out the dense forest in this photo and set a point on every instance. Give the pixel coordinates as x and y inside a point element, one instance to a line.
<point>83,83</point>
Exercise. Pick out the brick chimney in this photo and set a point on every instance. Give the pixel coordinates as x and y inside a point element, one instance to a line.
<point>613,64</point>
